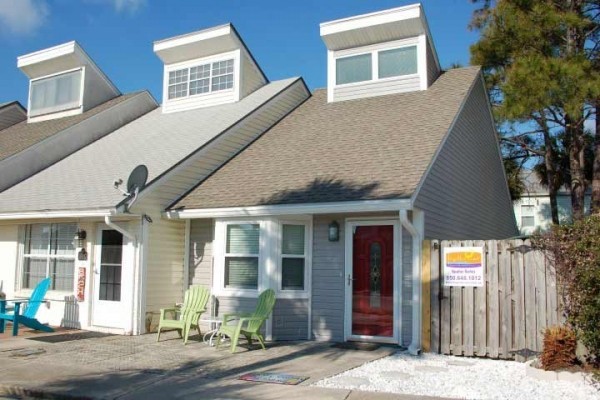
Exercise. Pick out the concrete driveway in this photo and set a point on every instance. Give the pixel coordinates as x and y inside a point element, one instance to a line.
<point>136,367</point>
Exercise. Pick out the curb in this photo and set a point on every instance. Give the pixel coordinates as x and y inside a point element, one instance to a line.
<point>19,392</point>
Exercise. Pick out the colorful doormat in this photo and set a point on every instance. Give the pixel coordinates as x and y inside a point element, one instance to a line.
<point>271,377</point>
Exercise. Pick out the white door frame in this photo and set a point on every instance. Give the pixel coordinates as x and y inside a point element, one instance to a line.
<point>121,315</point>
<point>351,224</point>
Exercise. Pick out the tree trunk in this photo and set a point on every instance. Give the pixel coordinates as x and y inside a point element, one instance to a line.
<point>549,161</point>
<point>576,165</point>
<point>596,167</point>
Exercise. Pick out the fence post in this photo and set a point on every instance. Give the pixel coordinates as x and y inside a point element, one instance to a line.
<point>435,296</point>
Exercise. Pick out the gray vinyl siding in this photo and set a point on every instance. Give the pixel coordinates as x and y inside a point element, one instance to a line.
<point>432,69</point>
<point>11,114</point>
<point>465,194</point>
<point>407,286</point>
<point>290,319</point>
<point>377,88</point>
<point>328,301</point>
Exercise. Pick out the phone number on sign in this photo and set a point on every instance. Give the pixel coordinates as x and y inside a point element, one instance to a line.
<point>463,278</point>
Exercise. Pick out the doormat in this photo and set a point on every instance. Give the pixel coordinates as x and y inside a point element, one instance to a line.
<point>68,337</point>
<point>271,377</point>
<point>356,346</point>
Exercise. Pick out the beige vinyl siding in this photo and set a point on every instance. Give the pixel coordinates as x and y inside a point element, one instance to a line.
<point>432,69</point>
<point>164,265</point>
<point>464,194</point>
<point>96,89</point>
<point>202,233</point>
<point>407,286</point>
<point>9,246</point>
<point>377,88</point>
<point>200,101</point>
<point>214,154</point>
<point>251,78</point>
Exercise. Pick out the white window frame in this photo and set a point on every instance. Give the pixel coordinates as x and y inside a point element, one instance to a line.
<point>188,65</point>
<point>269,257</point>
<point>374,51</point>
<point>44,112</point>
<point>532,215</point>
<point>23,255</point>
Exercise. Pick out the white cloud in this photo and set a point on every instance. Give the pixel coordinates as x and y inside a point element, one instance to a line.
<point>22,17</point>
<point>127,5</point>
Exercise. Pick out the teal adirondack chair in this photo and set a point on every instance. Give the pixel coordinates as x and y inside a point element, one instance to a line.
<point>26,316</point>
<point>249,325</point>
<point>194,304</point>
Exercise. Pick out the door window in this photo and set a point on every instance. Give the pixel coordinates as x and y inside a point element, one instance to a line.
<point>111,262</point>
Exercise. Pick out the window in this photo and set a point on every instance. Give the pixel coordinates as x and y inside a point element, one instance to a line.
<point>353,69</point>
<point>396,62</point>
<point>293,255</point>
<point>205,78</point>
<point>378,64</point>
<point>527,216</point>
<point>241,256</point>
<point>56,93</point>
<point>111,263</point>
<point>49,252</point>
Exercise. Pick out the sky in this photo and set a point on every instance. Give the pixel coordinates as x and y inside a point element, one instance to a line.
<point>282,35</point>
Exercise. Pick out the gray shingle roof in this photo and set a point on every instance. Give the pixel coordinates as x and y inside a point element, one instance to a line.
<point>20,136</point>
<point>84,180</point>
<point>372,148</point>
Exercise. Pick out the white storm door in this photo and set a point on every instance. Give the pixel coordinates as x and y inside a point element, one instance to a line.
<point>108,307</point>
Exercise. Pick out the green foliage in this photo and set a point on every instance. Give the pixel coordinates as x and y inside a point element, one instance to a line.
<point>513,176</point>
<point>575,252</point>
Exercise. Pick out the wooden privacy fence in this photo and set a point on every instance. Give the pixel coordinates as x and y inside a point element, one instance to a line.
<point>503,319</point>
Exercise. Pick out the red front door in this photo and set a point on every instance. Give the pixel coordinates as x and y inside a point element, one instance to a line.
<point>373,281</point>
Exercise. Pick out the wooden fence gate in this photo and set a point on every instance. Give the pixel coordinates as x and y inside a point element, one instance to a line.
<point>503,319</point>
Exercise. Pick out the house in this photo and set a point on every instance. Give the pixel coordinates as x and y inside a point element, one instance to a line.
<point>114,262</point>
<point>533,210</point>
<point>324,197</point>
<point>330,206</point>
<point>71,104</point>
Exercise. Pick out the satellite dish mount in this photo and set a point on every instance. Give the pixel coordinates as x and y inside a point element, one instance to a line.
<point>135,183</point>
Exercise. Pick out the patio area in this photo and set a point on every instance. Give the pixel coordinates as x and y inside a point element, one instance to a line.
<point>130,367</point>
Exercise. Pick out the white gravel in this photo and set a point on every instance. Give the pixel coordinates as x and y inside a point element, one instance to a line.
<point>456,377</point>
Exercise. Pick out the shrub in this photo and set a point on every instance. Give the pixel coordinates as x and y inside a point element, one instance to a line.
<point>575,252</point>
<point>560,346</point>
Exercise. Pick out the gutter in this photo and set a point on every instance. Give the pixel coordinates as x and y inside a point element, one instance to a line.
<point>415,346</point>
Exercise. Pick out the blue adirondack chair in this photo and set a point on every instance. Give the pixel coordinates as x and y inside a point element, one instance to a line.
<point>26,316</point>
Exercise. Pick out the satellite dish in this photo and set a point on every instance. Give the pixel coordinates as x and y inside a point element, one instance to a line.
<point>137,179</point>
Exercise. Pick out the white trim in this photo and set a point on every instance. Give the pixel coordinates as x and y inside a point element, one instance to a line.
<point>422,61</point>
<point>192,37</point>
<point>366,20</point>
<point>294,294</point>
<point>55,214</point>
<point>416,229</point>
<point>292,209</point>
<point>350,225</point>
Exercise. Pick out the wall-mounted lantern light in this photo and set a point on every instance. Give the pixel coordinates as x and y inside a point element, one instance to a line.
<point>334,231</point>
<point>80,237</point>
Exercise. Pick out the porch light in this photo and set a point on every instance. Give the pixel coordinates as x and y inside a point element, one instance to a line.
<point>334,231</point>
<point>80,237</point>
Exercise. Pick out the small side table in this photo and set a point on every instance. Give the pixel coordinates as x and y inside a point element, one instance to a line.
<point>214,328</point>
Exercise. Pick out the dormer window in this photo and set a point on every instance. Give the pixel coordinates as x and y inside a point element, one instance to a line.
<point>376,65</point>
<point>205,78</point>
<point>55,93</point>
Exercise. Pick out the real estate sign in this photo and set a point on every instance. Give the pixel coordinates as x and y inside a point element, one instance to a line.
<point>463,266</point>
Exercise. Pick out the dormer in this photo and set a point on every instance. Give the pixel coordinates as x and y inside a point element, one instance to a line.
<point>63,81</point>
<point>207,68</point>
<point>380,53</point>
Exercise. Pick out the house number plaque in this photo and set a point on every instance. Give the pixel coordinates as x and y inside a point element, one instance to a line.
<point>81,284</point>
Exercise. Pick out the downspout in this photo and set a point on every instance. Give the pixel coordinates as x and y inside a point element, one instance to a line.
<point>132,237</point>
<point>415,346</point>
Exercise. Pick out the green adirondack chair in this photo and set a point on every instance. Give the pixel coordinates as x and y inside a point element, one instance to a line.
<point>26,316</point>
<point>194,304</point>
<point>249,325</point>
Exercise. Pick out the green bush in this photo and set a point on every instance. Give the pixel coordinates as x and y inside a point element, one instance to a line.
<point>575,252</point>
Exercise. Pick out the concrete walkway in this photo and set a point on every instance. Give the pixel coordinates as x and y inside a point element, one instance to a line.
<point>126,367</point>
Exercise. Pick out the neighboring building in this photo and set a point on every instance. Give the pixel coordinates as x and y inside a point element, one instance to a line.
<point>71,104</point>
<point>130,264</point>
<point>325,198</point>
<point>533,210</point>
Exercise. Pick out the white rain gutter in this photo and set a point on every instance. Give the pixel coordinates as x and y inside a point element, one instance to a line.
<point>119,228</point>
<point>415,346</point>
